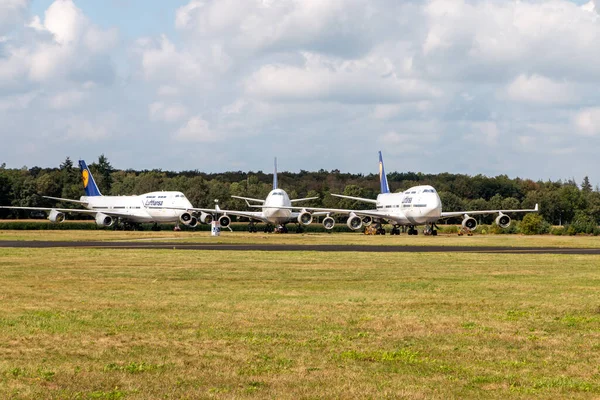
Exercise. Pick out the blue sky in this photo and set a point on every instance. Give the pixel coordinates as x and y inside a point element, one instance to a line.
<point>463,86</point>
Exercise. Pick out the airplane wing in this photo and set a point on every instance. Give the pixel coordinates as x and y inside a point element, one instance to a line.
<point>303,199</point>
<point>326,211</point>
<point>67,200</point>
<point>462,213</point>
<point>255,215</point>
<point>111,213</point>
<point>372,201</point>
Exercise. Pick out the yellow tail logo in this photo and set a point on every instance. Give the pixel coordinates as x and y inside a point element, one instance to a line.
<point>86,177</point>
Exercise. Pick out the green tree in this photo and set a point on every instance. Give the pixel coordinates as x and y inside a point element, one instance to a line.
<point>533,224</point>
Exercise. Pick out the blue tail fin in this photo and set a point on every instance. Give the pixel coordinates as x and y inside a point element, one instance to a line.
<point>275,175</point>
<point>382,177</point>
<point>89,184</point>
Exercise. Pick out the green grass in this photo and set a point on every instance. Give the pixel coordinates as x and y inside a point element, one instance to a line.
<point>127,324</point>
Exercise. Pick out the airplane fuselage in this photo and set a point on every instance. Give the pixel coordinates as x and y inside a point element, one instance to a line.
<point>158,207</point>
<point>272,212</point>
<point>418,205</point>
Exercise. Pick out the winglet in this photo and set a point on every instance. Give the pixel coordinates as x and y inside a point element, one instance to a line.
<point>536,207</point>
<point>89,184</point>
<point>275,175</point>
<point>382,177</point>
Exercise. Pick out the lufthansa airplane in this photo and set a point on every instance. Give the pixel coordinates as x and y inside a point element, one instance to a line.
<point>419,205</point>
<point>276,210</point>
<point>154,207</point>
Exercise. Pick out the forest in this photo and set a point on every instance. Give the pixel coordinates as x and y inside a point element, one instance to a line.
<point>561,203</point>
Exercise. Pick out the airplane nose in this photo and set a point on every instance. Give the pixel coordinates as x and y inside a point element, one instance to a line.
<point>435,208</point>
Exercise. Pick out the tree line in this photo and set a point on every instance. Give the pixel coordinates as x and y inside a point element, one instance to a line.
<point>560,202</point>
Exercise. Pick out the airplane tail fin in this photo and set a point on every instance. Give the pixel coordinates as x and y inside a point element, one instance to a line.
<point>89,184</point>
<point>275,175</point>
<point>382,177</point>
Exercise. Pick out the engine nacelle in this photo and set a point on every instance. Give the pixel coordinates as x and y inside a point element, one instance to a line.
<point>305,218</point>
<point>354,222</point>
<point>193,222</point>
<point>328,223</point>
<point>503,220</point>
<point>206,218</point>
<point>185,218</point>
<point>104,220</point>
<point>469,222</point>
<point>224,221</point>
<point>367,220</point>
<point>56,216</point>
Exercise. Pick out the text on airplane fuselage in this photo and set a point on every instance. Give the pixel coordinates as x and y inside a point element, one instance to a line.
<point>153,203</point>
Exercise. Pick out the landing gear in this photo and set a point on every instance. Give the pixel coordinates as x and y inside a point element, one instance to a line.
<point>268,228</point>
<point>395,230</point>
<point>281,229</point>
<point>380,230</point>
<point>430,230</point>
<point>252,227</point>
<point>177,228</point>
<point>412,230</point>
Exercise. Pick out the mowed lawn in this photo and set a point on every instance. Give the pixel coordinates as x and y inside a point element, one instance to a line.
<point>129,324</point>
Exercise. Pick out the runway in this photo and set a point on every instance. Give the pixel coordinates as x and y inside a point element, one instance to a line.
<point>293,247</point>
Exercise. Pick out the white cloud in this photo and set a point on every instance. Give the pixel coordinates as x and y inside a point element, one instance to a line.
<point>434,76</point>
<point>587,121</point>
<point>67,99</point>
<point>160,111</point>
<point>12,13</point>
<point>196,130</point>
<point>538,89</point>
<point>65,45</point>
<point>365,81</point>
<point>81,128</point>
<point>485,132</point>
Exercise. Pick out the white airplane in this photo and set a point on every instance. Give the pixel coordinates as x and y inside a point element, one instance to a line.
<point>276,210</point>
<point>153,207</point>
<point>419,205</point>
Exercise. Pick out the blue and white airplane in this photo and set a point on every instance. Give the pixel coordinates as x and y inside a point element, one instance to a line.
<point>419,205</point>
<point>276,210</point>
<point>153,207</point>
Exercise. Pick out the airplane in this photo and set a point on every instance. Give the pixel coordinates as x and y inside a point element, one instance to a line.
<point>153,207</point>
<point>276,210</point>
<point>418,205</point>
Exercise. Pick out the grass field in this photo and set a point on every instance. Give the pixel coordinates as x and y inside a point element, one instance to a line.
<point>346,238</point>
<point>129,324</point>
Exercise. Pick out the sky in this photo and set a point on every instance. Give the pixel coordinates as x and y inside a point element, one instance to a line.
<point>462,86</point>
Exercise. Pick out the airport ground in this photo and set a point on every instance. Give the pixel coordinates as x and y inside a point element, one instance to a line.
<point>158,323</point>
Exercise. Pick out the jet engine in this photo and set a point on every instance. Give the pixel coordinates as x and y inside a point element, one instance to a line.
<point>104,220</point>
<point>224,221</point>
<point>56,216</point>
<point>503,220</point>
<point>367,220</point>
<point>305,218</point>
<point>328,223</point>
<point>354,222</point>
<point>206,218</point>
<point>193,222</point>
<point>185,218</point>
<point>469,222</point>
